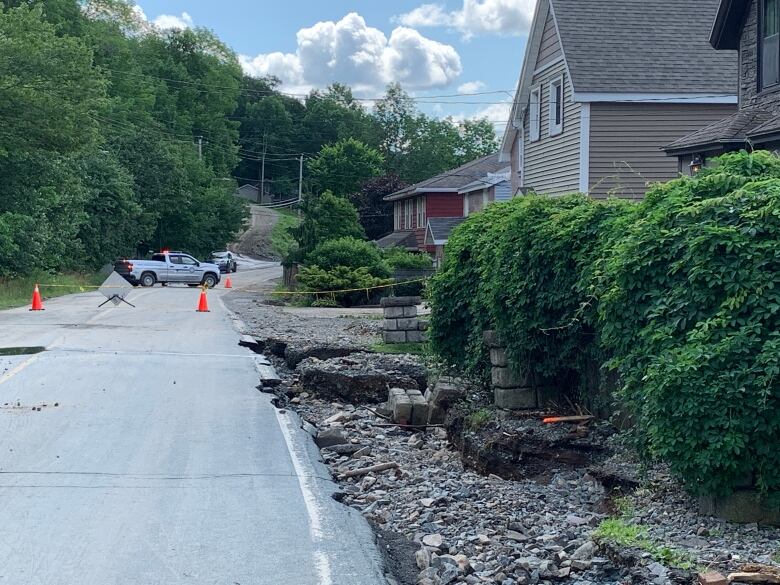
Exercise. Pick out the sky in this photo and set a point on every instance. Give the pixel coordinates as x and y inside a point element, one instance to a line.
<point>448,48</point>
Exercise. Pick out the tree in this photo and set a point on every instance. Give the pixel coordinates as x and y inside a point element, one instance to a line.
<point>376,215</point>
<point>343,167</point>
<point>477,139</point>
<point>326,217</point>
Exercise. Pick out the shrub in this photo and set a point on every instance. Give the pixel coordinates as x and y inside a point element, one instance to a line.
<point>400,259</point>
<point>340,278</point>
<point>349,252</point>
<point>692,314</point>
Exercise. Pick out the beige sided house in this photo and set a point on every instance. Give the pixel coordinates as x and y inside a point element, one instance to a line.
<point>604,85</point>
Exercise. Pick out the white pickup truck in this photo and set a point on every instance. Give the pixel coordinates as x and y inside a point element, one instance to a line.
<point>165,267</point>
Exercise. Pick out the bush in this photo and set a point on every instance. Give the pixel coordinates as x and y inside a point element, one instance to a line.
<point>692,314</point>
<point>349,252</point>
<point>400,259</point>
<point>526,269</point>
<point>680,293</point>
<point>339,278</point>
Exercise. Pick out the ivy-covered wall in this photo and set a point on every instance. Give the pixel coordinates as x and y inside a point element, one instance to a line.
<point>678,294</point>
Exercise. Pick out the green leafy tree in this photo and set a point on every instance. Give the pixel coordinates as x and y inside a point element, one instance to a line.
<point>325,217</point>
<point>343,167</point>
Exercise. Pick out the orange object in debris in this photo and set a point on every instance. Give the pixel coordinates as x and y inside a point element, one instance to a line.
<point>203,303</point>
<point>37,303</point>
<point>228,283</point>
<point>556,419</point>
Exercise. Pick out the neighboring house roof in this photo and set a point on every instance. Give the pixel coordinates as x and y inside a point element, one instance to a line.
<point>726,31</point>
<point>489,180</point>
<point>643,46</point>
<point>405,239</point>
<point>452,180</point>
<point>736,129</point>
<point>439,229</point>
<point>630,51</point>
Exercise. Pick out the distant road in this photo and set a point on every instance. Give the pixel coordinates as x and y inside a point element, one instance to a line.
<point>161,463</point>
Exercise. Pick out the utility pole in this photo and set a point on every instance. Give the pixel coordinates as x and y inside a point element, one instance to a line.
<point>300,186</point>
<point>200,147</point>
<point>262,172</point>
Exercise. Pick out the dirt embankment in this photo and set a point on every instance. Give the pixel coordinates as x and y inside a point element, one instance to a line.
<point>256,240</point>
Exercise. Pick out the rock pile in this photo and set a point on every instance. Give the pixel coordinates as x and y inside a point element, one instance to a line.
<point>472,528</point>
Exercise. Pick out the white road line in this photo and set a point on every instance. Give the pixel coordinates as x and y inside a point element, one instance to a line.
<point>18,368</point>
<point>321,560</point>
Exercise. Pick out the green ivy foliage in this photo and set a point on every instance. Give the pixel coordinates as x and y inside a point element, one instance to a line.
<point>525,268</point>
<point>691,315</point>
<point>680,294</point>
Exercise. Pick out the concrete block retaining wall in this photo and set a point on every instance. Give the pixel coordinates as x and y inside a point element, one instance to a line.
<point>401,324</point>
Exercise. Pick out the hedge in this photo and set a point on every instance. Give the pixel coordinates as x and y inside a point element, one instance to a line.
<point>679,294</point>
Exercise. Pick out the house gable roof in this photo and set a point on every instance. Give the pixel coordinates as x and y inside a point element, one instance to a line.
<point>727,28</point>
<point>451,181</point>
<point>438,230</point>
<point>643,46</point>
<point>403,239</point>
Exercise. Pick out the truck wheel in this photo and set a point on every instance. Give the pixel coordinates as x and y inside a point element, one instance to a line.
<point>235,267</point>
<point>210,281</point>
<point>148,279</point>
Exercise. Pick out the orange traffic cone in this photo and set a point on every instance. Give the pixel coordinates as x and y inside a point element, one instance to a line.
<point>228,282</point>
<point>37,303</point>
<point>203,304</point>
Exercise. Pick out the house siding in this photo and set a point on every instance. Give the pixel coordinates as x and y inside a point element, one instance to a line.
<point>552,163</point>
<point>444,205</point>
<point>550,46</point>
<point>626,141</point>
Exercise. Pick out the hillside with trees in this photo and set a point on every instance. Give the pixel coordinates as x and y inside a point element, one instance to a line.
<point>118,138</point>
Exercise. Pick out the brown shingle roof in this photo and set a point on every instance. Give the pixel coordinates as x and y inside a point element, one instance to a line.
<point>453,179</point>
<point>737,128</point>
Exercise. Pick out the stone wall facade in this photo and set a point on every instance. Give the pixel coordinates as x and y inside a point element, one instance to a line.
<point>402,324</point>
<point>749,94</point>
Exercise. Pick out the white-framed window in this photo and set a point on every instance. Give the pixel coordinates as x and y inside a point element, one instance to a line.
<point>421,212</point>
<point>556,106</point>
<point>408,213</point>
<point>535,114</point>
<point>397,216</point>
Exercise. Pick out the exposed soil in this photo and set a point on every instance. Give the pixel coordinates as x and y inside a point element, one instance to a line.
<point>256,240</point>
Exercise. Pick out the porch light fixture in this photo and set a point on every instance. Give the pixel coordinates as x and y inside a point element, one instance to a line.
<point>696,164</point>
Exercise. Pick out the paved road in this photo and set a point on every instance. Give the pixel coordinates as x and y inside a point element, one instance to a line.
<point>161,464</point>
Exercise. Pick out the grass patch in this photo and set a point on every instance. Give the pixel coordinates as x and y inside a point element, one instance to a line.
<point>618,531</point>
<point>776,557</point>
<point>281,239</point>
<point>412,348</point>
<point>478,418</point>
<point>17,292</point>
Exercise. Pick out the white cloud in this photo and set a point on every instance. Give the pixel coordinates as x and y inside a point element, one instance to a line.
<point>476,17</point>
<point>471,87</point>
<point>171,21</point>
<point>351,52</point>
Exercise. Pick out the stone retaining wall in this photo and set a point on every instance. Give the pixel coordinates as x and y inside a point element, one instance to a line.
<point>401,324</point>
<point>511,390</point>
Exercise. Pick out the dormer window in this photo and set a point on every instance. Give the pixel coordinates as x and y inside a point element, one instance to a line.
<point>770,43</point>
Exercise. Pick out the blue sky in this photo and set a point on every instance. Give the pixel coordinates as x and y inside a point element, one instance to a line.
<point>452,47</point>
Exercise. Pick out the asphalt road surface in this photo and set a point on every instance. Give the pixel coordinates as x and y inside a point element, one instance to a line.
<point>160,463</point>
